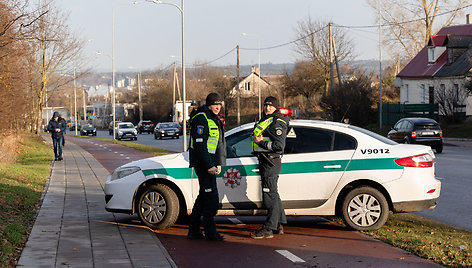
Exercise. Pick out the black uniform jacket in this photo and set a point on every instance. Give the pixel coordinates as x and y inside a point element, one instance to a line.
<point>199,132</point>
<point>60,124</point>
<point>277,133</point>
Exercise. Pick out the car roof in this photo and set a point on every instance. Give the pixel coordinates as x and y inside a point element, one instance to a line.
<point>421,120</point>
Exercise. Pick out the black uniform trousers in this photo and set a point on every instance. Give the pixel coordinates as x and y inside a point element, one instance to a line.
<point>270,195</point>
<point>206,204</point>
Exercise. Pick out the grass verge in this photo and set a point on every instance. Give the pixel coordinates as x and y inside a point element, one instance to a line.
<point>21,186</point>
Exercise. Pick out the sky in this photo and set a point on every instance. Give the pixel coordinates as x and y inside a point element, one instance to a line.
<point>148,35</point>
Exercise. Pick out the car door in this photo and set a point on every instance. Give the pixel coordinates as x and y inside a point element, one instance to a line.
<point>314,162</point>
<point>238,183</point>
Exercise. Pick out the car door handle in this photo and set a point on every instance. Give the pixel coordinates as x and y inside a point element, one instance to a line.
<point>255,170</point>
<point>333,166</point>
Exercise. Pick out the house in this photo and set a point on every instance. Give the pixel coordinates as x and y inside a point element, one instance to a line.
<point>249,85</point>
<point>439,72</point>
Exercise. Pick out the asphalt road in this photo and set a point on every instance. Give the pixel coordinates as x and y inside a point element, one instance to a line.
<point>453,167</point>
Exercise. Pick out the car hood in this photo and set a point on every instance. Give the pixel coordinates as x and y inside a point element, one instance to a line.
<point>177,160</point>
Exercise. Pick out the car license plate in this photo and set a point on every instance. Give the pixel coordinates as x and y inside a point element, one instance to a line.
<point>427,133</point>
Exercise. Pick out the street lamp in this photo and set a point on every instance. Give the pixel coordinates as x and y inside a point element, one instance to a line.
<point>259,67</point>
<point>112,88</point>
<point>75,100</point>
<point>181,9</point>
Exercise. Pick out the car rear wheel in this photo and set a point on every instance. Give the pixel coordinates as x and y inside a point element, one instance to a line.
<point>158,207</point>
<point>365,208</point>
<point>439,149</point>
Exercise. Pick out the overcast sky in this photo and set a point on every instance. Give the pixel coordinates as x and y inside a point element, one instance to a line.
<point>148,35</point>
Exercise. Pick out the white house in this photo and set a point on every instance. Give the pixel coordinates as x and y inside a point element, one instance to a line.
<point>439,72</point>
<point>249,85</point>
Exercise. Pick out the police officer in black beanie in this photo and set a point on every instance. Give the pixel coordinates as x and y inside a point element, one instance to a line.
<point>268,139</point>
<point>207,151</point>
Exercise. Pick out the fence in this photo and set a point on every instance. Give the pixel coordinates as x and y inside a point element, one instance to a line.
<point>391,113</point>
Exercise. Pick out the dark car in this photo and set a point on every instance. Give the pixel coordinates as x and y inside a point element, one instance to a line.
<point>72,127</point>
<point>110,128</point>
<point>424,131</point>
<point>88,130</point>
<point>145,126</point>
<point>167,129</point>
<point>126,130</point>
<point>179,127</point>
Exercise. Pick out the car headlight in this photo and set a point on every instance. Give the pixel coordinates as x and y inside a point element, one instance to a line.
<point>135,131</point>
<point>120,132</point>
<point>123,172</point>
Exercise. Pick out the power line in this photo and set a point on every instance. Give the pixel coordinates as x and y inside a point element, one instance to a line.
<point>208,62</point>
<point>403,22</point>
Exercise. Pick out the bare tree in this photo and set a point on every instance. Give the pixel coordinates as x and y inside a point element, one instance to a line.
<point>57,51</point>
<point>451,100</point>
<point>409,24</point>
<point>313,45</point>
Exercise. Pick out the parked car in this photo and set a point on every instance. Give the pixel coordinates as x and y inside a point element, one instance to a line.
<point>88,129</point>
<point>110,128</point>
<point>167,129</point>
<point>414,130</point>
<point>72,127</point>
<point>126,130</point>
<point>327,169</point>
<point>145,126</point>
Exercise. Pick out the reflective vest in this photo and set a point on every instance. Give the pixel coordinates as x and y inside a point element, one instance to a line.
<point>212,142</point>
<point>259,129</point>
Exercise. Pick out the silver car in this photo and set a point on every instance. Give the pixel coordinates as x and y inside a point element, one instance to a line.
<point>126,130</point>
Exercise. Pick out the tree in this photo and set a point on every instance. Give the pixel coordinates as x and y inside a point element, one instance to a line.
<point>304,81</point>
<point>409,24</point>
<point>313,46</point>
<point>354,102</point>
<point>56,50</point>
<point>451,101</point>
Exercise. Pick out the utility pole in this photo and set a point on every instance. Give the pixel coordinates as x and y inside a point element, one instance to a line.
<point>380,64</point>
<point>85,109</point>
<point>330,56</point>
<point>139,98</point>
<point>237,85</point>
<point>336,61</point>
<point>173,96</point>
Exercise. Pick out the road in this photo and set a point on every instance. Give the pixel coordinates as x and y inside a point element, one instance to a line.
<point>452,167</point>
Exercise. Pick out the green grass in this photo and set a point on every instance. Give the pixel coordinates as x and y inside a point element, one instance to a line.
<point>21,186</point>
<point>428,239</point>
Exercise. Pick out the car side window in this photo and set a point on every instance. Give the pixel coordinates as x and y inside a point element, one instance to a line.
<point>344,142</point>
<point>408,125</point>
<point>398,125</point>
<point>308,140</point>
<point>239,144</point>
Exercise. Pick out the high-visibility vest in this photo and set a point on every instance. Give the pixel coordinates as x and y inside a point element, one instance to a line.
<point>259,129</point>
<point>212,142</point>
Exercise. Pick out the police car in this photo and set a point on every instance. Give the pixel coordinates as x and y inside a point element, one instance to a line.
<point>327,169</point>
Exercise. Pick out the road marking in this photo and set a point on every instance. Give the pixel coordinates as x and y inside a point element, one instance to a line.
<point>115,152</point>
<point>236,221</point>
<point>122,155</point>
<point>127,157</point>
<point>287,254</point>
<point>109,150</point>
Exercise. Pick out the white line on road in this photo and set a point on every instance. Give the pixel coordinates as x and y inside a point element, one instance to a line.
<point>236,221</point>
<point>127,157</point>
<point>287,254</point>
<point>122,155</point>
<point>115,152</point>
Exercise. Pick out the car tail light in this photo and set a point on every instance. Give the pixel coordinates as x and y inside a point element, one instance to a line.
<point>440,133</point>
<point>413,134</point>
<point>142,125</point>
<point>422,160</point>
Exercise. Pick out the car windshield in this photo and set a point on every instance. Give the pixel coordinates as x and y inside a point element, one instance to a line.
<point>427,126</point>
<point>165,126</point>
<point>88,127</point>
<point>176,125</point>
<point>129,125</point>
<point>374,135</point>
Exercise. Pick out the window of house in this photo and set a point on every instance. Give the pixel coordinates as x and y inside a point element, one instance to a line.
<point>431,95</point>
<point>423,93</point>
<point>407,97</point>
<point>442,91</point>
<point>431,54</point>
<point>456,93</point>
<point>247,86</point>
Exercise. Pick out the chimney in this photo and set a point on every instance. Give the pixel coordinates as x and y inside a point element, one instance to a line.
<point>253,69</point>
<point>468,19</point>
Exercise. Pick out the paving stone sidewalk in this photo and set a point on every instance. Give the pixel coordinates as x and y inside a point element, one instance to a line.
<point>73,229</point>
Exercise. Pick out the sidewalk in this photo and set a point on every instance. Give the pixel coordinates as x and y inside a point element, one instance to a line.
<point>73,229</point>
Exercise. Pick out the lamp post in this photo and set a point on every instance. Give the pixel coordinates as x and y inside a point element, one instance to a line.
<point>259,67</point>
<point>112,88</point>
<point>75,104</point>
<point>181,9</point>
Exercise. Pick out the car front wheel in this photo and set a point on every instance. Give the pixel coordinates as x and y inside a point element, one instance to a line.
<point>158,207</point>
<point>365,208</point>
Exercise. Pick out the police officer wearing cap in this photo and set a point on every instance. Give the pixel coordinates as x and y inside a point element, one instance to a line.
<point>207,151</point>
<point>268,139</point>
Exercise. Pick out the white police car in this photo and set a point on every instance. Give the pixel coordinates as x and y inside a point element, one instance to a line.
<point>328,169</point>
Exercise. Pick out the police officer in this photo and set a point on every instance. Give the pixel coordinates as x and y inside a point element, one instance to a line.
<point>207,154</point>
<point>268,145</point>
